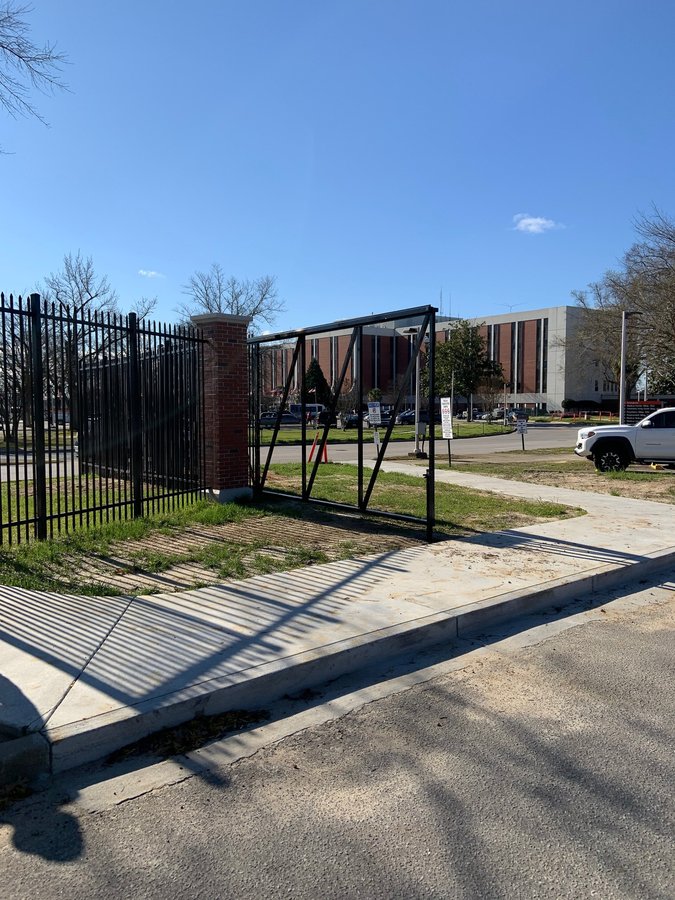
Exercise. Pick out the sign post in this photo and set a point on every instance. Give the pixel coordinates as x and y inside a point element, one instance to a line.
<point>375,419</point>
<point>374,413</point>
<point>521,428</point>
<point>446,424</point>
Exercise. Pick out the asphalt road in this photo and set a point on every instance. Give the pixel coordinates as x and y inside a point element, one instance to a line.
<point>541,765</point>
<point>538,437</point>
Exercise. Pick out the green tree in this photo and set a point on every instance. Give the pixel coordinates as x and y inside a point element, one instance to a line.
<point>465,354</point>
<point>316,386</point>
<point>375,395</point>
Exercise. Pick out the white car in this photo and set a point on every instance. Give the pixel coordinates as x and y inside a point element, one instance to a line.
<point>614,447</point>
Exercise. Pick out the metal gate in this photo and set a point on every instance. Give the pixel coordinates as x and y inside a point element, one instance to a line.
<point>293,375</point>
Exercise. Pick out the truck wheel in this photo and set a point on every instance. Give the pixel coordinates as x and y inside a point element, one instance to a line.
<point>610,459</point>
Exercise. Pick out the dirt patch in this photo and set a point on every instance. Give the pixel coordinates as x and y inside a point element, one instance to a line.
<point>275,538</point>
<point>638,482</point>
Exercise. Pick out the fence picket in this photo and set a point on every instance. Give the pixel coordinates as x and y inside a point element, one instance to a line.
<point>100,417</point>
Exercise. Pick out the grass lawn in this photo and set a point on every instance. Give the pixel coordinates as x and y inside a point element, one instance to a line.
<point>23,441</point>
<point>208,543</point>
<point>77,503</point>
<point>458,510</point>
<point>400,433</point>
<point>578,420</point>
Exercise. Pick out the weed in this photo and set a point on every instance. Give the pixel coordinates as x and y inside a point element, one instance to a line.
<point>191,735</point>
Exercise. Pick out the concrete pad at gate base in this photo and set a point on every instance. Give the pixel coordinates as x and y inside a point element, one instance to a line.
<point>91,675</point>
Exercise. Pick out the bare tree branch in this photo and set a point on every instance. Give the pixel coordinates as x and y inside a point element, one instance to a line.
<point>645,284</point>
<point>213,292</point>
<point>23,64</point>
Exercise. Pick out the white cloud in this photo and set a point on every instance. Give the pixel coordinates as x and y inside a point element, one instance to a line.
<point>149,273</point>
<point>534,224</point>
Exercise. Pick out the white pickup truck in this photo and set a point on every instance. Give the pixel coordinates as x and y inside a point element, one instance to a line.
<point>614,447</point>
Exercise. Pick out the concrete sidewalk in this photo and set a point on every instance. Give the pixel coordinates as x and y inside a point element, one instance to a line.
<point>83,676</point>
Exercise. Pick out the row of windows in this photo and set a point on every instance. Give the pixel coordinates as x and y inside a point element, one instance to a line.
<point>516,369</point>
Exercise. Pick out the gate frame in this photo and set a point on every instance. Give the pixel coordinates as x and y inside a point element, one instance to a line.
<point>426,330</point>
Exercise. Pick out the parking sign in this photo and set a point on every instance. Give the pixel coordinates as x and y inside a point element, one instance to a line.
<point>446,418</point>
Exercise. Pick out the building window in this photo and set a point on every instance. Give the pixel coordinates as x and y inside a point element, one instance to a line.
<point>596,384</point>
<point>544,359</point>
<point>521,357</point>
<point>376,361</point>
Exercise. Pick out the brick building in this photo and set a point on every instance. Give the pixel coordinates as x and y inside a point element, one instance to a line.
<point>541,361</point>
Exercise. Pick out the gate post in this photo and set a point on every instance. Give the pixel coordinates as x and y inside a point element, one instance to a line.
<point>226,405</point>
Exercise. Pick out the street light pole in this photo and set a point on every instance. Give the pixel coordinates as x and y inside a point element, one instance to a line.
<point>622,377</point>
<point>625,315</point>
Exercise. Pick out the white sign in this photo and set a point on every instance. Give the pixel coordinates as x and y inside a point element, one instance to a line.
<point>374,413</point>
<point>446,418</point>
<point>521,426</point>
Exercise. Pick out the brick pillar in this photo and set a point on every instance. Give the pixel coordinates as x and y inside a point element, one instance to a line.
<point>225,404</point>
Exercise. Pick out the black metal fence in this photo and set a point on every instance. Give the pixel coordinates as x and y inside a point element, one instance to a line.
<point>101,417</point>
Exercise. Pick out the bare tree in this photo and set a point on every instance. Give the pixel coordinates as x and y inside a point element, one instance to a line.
<point>23,64</point>
<point>647,283</point>
<point>214,292</point>
<point>598,337</point>
<point>489,391</point>
<point>644,284</point>
<point>89,300</point>
<point>78,288</point>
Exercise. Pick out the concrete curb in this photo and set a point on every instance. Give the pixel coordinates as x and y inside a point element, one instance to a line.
<point>69,746</point>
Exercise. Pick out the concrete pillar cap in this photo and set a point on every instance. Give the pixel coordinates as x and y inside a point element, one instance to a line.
<point>219,318</point>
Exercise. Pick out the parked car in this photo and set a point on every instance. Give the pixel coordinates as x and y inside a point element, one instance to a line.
<point>268,420</point>
<point>515,414</point>
<point>408,417</point>
<point>324,417</point>
<point>385,419</point>
<point>349,420</point>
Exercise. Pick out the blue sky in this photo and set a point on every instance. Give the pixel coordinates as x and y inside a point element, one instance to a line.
<point>366,153</point>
